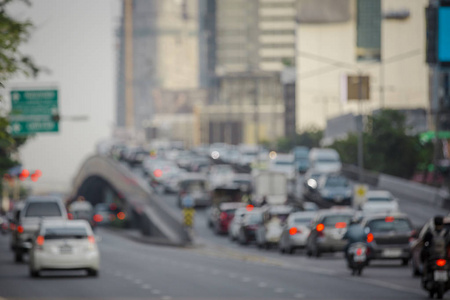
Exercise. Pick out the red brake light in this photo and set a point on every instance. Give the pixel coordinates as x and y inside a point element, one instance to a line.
<point>293,230</point>
<point>340,225</point>
<point>370,238</point>
<point>70,216</point>
<point>113,206</point>
<point>20,229</point>
<point>250,207</point>
<point>40,240</point>
<point>359,252</point>
<point>121,215</point>
<point>389,219</point>
<point>320,227</point>
<point>98,218</point>
<point>223,216</point>
<point>441,262</point>
<point>157,173</point>
<point>91,239</point>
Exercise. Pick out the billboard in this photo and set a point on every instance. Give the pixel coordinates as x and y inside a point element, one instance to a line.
<point>444,34</point>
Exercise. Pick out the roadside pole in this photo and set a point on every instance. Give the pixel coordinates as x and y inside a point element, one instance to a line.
<point>360,130</point>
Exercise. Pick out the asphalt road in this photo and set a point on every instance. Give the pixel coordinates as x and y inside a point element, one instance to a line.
<point>215,268</point>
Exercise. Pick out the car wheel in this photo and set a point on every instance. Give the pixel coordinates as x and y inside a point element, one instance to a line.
<point>92,273</point>
<point>281,249</point>
<point>33,273</point>
<point>291,250</point>
<point>405,261</point>
<point>18,256</point>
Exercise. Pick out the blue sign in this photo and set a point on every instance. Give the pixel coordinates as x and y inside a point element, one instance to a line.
<point>444,34</point>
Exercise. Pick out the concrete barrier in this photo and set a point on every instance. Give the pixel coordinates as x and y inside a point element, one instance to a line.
<point>413,191</point>
<point>155,217</point>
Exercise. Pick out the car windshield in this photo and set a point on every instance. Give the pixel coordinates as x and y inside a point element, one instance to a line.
<point>284,163</point>
<point>54,233</point>
<point>327,160</point>
<point>253,219</point>
<point>43,209</point>
<point>336,182</point>
<point>332,220</point>
<point>383,225</point>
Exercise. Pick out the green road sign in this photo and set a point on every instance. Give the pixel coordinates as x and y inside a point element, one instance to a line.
<point>32,111</point>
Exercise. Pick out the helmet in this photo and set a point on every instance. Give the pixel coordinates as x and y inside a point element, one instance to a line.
<point>438,220</point>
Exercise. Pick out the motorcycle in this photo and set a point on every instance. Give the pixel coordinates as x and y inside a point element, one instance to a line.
<point>435,278</point>
<point>357,258</point>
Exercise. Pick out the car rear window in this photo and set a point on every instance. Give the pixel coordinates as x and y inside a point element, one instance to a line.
<point>82,214</point>
<point>302,220</point>
<point>229,212</point>
<point>381,225</point>
<point>54,233</point>
<point>253,219</point>
<point>379,199</point>
<point>332,220</point>
<point>43,209</point>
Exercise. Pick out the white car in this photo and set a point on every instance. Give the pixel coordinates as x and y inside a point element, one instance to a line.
<point>296,231</point>
<point>64,245</point>
<point>284,163</point>
<point>235,224</point>
<point>379,202</point>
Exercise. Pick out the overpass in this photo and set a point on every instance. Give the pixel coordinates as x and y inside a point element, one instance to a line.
<point>104,180</point>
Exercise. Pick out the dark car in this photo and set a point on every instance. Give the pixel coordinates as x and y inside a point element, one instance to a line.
<point>221,216</point>
<point>389,236</point>
<point>332,190</point>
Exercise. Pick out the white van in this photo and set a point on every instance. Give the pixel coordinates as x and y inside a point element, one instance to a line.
<point>325,160</point>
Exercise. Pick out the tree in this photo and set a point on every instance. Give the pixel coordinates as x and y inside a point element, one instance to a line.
<point>309,138</point>
<point>13,33</point>
<point>387,146</point>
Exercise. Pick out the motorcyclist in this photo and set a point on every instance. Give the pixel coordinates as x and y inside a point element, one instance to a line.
<point>355,234</point>
<point>435,243</point>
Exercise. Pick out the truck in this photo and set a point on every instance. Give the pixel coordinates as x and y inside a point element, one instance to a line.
<point>271,185</point>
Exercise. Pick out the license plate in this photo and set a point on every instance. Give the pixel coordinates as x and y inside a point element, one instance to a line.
<point>440,275</point>
<point>359,258</point>
<point>65,249</point>
<point>392,253</point>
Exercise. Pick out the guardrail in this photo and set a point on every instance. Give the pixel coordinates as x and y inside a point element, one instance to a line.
<point>156,218</point>
<point>409,190</point>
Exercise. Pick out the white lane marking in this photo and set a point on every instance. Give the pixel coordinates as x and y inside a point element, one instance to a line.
<point>215,272</point>
<point>232,275</point>
<point>166,298</point>
<point>262,284</point>
<point>138,281</point>
<point>298,296</point>
<point>117,273</point>
<point>246,279</point>
<point>146,286</point>
<point>156,292</point>
<point>279,290</point>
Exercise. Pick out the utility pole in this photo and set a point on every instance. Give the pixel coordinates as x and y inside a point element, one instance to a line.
<point>360,129</point>
<point>129,95</point>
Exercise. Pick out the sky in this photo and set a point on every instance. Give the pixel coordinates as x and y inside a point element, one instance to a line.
<point>75,41</point>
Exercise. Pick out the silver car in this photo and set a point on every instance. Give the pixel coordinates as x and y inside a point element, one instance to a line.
<point>296,231</point>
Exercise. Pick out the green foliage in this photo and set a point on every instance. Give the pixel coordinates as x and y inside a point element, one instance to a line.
<point>309,138</point>
<point>387,147</point>
<point>13,33</point>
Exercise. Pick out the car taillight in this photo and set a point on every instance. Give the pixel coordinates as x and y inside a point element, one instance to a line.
<point>340,225</point>
<point>294,230</point>
<point>20,229</point>
<point>121,215</point>
<point>370,238</point>
<point>91,239</point>
<point>441,262</point>
<point>98,218</point>
<point>389,219</point>
<point>359,251</point>
<point>40,240</point>
<point>70,216</point>
<point>320,227</point>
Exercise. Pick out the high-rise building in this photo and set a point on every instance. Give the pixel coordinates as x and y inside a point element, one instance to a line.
<point>165,56</point>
